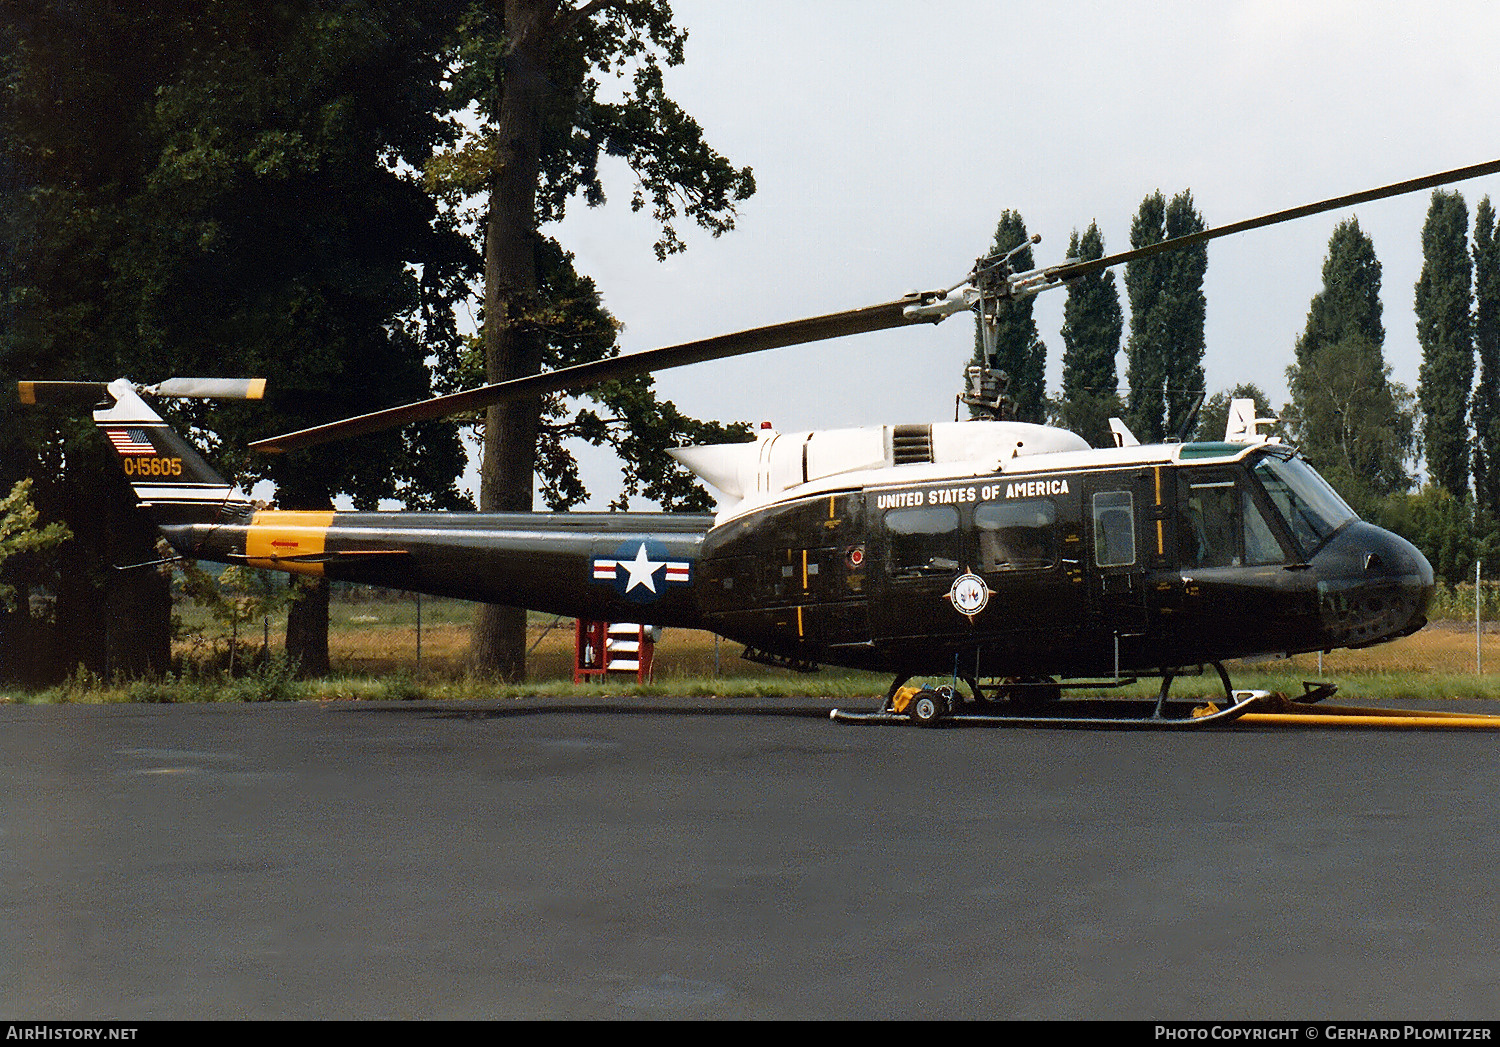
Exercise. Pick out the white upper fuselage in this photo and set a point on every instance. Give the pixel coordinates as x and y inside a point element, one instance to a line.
<point>778,466</point>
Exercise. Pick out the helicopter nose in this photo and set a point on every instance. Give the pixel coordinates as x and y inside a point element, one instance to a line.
<point>1372,586</point>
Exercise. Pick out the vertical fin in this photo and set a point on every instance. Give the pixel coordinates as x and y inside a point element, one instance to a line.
<point>170,478</point>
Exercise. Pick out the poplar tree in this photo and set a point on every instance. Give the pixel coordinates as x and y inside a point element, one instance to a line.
<point>1167,312</point>
<point>1019,351</point>
<point>1349,303</point>
<point>1350,420</point>
<point>1485,411</point>
<point>1091,330</point>
<point>1446,333</point>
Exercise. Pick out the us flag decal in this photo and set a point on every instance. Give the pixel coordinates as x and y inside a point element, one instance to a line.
<point>131,441</point>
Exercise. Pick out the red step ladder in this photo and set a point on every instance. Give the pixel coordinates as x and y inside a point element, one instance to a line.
<point>602,648</point>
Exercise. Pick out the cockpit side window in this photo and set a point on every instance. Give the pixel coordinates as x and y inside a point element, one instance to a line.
<point>1261,546</point>
<point>1310,508</point>
<point>1221,524</point>
<point>922,540</point>
<point>1206,514</point>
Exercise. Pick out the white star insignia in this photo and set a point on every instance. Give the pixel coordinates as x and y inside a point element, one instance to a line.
<point>642,569</point>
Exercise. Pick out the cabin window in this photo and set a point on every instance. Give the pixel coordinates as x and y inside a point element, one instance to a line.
<point>1017,535</point>
<point>1114,529</point>
<point>922,540</point>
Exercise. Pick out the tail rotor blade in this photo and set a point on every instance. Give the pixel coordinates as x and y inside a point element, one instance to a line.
<point>210,388</point>
<point>89,393</point>
<point>73,394</point>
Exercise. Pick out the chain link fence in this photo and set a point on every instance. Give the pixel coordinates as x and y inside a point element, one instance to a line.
<point>375,632</point>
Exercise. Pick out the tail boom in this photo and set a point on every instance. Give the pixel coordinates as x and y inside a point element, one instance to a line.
<point>635,567</point>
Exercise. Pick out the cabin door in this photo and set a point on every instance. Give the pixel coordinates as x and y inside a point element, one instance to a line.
<point>1120,521</point>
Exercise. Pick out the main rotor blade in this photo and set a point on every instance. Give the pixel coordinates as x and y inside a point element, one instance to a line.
<point>1073,270</point>
<point>796,332</point>
<point>581,376</point>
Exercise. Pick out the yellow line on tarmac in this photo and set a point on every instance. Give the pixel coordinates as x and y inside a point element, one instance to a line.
<point>1436,714</point>
<point>1398,718</point>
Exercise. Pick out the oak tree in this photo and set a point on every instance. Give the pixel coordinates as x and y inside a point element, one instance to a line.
<point>538,77</point>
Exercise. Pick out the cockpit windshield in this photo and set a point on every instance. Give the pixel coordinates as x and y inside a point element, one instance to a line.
<point>1311,508</point>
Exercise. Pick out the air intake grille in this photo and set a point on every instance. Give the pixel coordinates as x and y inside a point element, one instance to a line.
<point>911,444</point>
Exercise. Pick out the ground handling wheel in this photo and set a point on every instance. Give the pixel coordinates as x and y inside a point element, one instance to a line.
<point>929,705</point>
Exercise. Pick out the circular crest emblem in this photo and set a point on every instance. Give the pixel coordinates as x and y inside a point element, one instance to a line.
<point>969,595</point>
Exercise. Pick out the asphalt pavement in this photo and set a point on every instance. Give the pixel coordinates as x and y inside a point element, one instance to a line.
<point>662,858</point>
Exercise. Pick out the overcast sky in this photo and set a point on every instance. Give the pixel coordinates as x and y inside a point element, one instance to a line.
<point>887,138</point>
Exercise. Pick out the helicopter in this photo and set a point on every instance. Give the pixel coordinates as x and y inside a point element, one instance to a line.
<point>1009,556</point>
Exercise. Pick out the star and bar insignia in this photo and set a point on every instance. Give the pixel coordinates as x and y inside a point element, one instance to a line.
<point>640,572</point>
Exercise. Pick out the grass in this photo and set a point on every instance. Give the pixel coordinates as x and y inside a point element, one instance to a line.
<point>373,648</point>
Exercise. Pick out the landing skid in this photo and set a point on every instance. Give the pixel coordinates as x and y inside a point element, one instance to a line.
<point>1038,702</point>
<point>1091,714</point>
<point>941,705</point>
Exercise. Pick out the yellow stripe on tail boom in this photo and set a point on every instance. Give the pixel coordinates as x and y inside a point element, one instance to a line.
<point>275,535</point>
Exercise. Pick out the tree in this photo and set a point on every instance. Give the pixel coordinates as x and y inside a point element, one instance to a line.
<point>1019,351</point>
<point>247,202</point>
<point>1350,420</point>
<point>288,146</point>
<point>77,88</point>
<point>1091,329</point>
<point>22,637</point>
<point>1485,411</point>
<point>21,532</point>
<point>1349,303</point>
<point>1167,312</point>
<point>1446,334</point>
<point>634,423</point>
<point>533,72</point>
